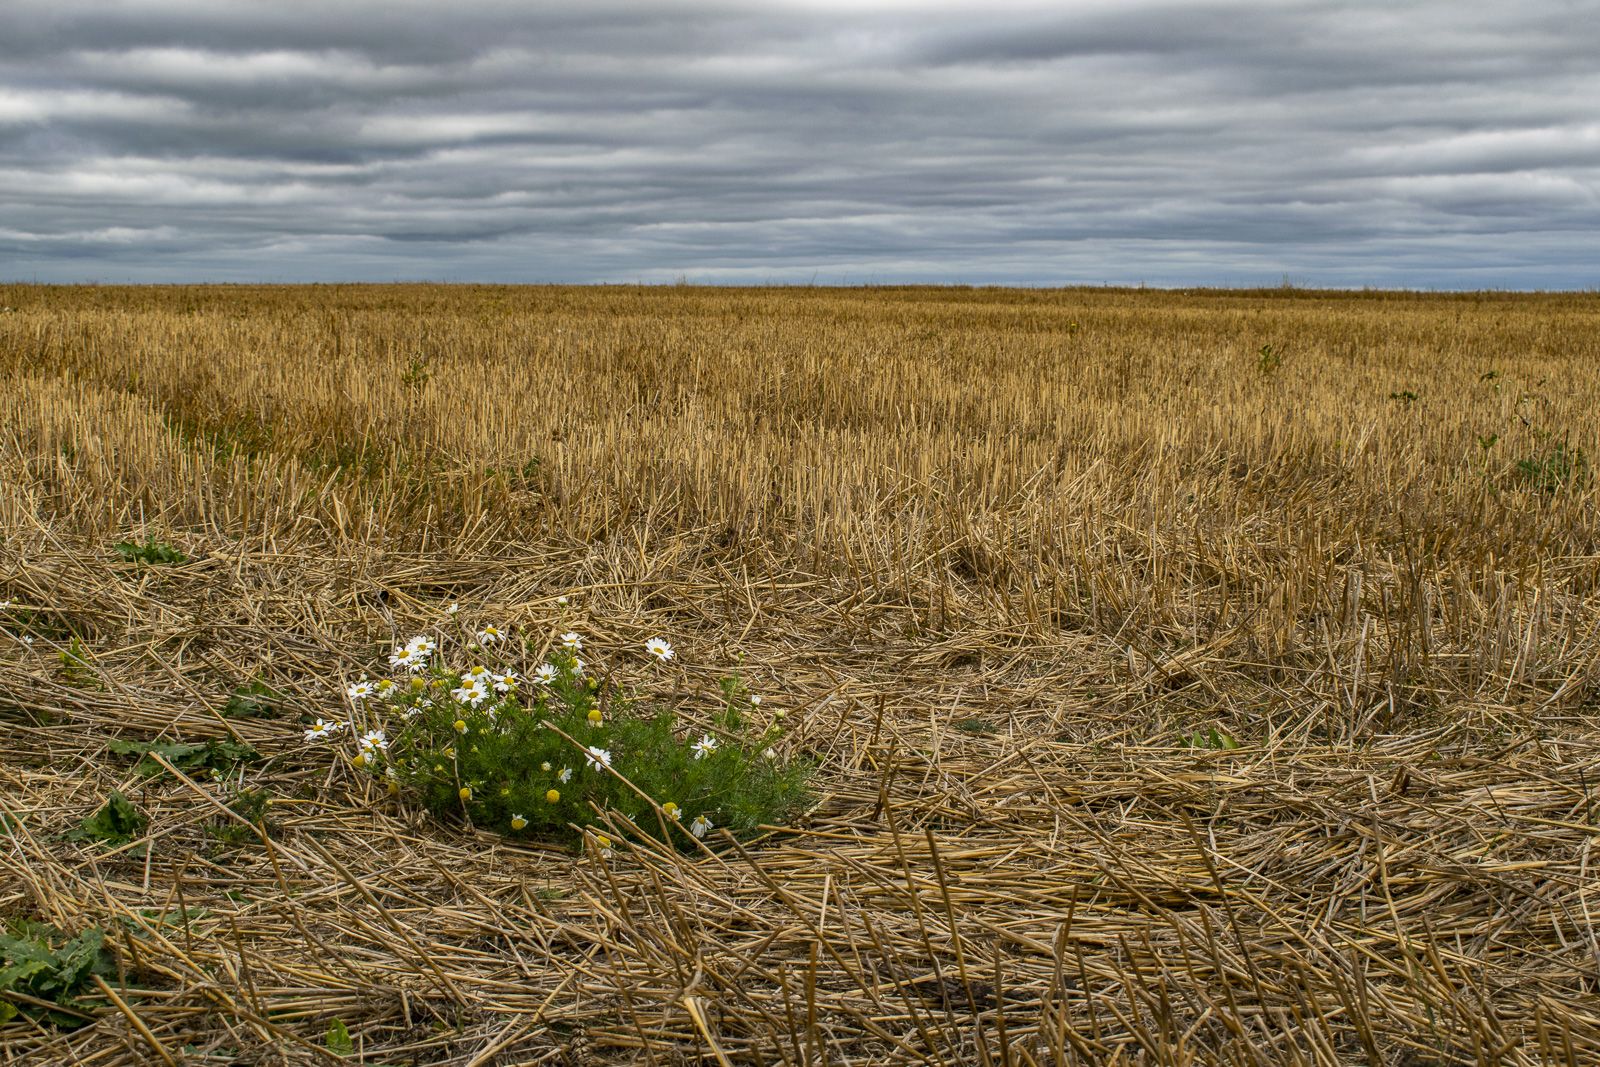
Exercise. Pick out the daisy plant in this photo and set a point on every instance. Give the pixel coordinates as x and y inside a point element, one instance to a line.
<point>539,746</point>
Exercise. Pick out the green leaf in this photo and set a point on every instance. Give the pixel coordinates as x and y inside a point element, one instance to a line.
<point>80,958</point>
<point>1210,737</point>
<point>254,701</point>
<point>338,1039</point>
<point>117,822</point>
<point>206,755</point>
<point>43,972</point>
<point>18,973</point>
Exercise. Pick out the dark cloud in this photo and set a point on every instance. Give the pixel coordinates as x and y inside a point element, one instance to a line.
<point>1423,144</point>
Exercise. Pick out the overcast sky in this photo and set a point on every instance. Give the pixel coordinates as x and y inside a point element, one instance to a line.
<point>1449,145</point>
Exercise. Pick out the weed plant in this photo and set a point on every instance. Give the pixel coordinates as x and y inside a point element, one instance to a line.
<point>44,972</point>
<point>149,551</point>
<point>542,753</point>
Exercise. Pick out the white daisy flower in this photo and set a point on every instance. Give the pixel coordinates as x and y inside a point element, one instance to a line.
<point>565,776</point>
<point>452,608</point>
<point>659,649</point>
<point>505,683</point>
<point>422,644</point>
<point>404,657</point>
<point>473,693</point>
<point>701,826</point>
<point>572,641</point>
<point>489,635</point>
<point>705,746</point>
<point>561,600</point>
<point>360,691</point>
<point>323,729</point>
<point>597,757</point>
<point>755,700</point>
<point>578,667</point>
<point>545,675</point>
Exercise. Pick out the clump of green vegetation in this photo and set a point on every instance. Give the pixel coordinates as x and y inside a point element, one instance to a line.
<point>1554,466</point>
<point>226,434</point>
<point>149,551</point>
<point>43,964</point>
<point>1268,359</point>
<point>523,477</point>
<point>76,670</point>
<point>215,758</point>
<point>251,806</point>
<point>543,753</point>
<point>1210,737</point>
<point>416,375</point>
<point>115,823</point>
<point>254,701</point>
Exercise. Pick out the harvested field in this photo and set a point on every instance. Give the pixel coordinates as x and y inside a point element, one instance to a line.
<point>1193,678</point>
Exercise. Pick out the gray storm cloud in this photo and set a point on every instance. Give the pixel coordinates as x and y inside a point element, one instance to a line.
<point>1448,145</point>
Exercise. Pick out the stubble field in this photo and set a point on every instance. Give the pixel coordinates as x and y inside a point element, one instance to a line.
<point>1191,678</point>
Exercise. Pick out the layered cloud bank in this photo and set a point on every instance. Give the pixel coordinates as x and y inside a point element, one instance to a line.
<point>1448,145</point>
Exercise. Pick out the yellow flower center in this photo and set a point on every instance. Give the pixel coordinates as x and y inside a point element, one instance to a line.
<point>552,795</point>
